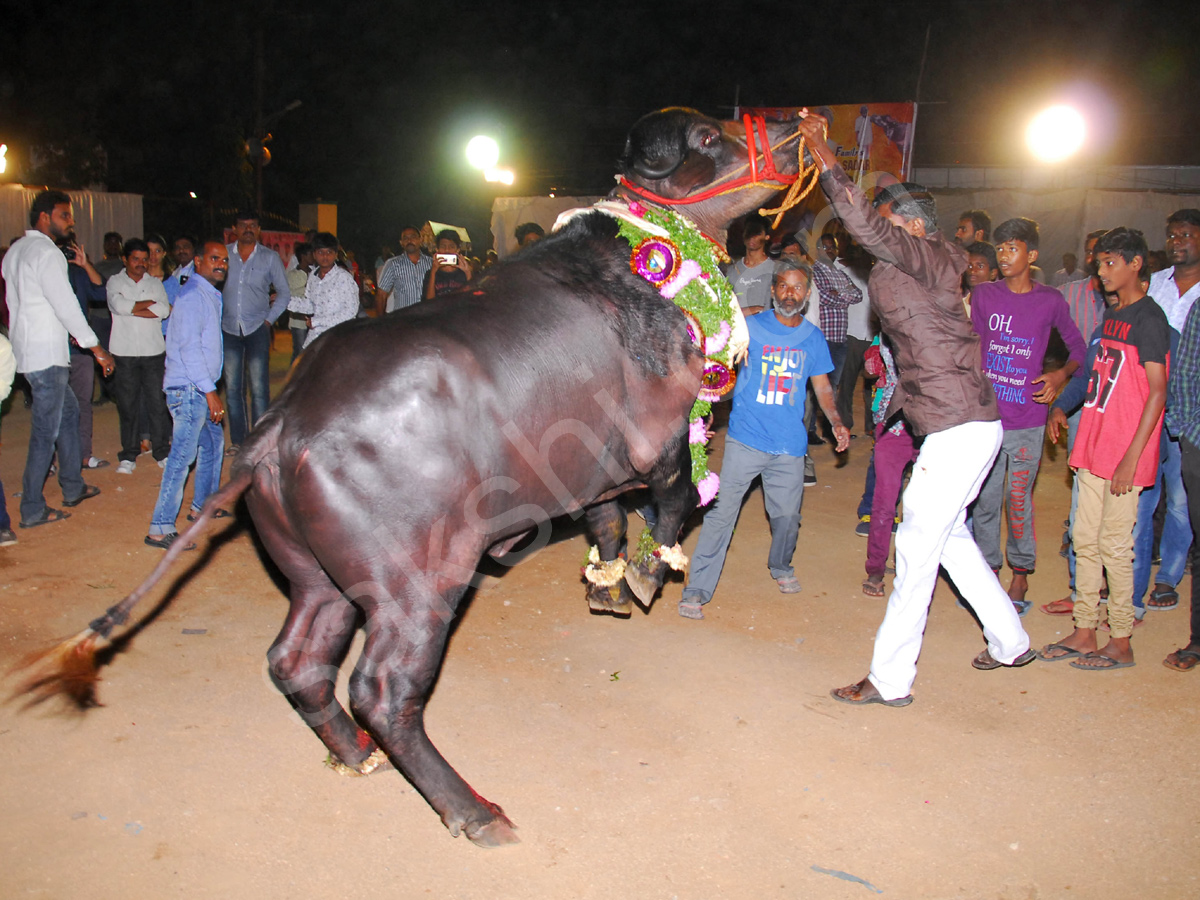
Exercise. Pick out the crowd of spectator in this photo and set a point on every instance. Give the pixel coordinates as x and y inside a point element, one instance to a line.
<point>968,355</point>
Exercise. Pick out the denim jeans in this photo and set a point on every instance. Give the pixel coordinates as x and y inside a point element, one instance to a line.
<point>54,426</point>
<point>248,354</point>
<point>1177,530</point>
<point>194,438</point>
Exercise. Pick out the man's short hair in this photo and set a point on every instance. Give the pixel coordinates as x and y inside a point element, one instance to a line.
<point>45,203</point>
<point>133,245</point>
<point>323,240</point>
<point>1093,235</point>
<point>246,215</point>
<point>980,221</point>
<point>754,225</point>
<point>910,201</point>
<point>186,237</point>
<point>449,234</point>
<point>113,236</point>
<point>1184,217</point>
<point>1126,243</point>
<point>404,228</point>
<point>528,228</point>
<point>986,250</point>
<point>299,249</point>
<point>791,265</point>
<point>1018,229</point>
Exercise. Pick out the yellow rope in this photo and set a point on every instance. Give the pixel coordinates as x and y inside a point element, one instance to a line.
<point>798,190</point>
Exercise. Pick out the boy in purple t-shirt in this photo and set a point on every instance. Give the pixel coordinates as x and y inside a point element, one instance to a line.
<point>1013,318</point>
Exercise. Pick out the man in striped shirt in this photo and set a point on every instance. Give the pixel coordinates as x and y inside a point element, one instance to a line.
<point>402,281</point>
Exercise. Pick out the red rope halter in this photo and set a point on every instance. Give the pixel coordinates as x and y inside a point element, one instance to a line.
<point>754,125</point>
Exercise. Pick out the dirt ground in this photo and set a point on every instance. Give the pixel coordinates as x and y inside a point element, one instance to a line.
<point>650,758</point>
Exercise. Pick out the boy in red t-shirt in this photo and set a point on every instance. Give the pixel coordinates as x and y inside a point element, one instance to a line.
<point>1116,452</point>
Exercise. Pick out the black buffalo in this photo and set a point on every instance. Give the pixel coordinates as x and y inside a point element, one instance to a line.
<point>403,449</point>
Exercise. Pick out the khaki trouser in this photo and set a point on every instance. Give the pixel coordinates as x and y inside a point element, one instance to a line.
<point>1103,539</point>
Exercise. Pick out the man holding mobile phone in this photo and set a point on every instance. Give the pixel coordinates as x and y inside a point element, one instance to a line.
<point>451,268</point>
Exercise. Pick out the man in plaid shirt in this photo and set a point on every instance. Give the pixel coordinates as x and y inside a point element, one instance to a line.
<point>837,293</point>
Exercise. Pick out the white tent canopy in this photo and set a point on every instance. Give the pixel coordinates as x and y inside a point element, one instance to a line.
<point>1067,204</point>
<point>95,214</point>
<point>509,212</point>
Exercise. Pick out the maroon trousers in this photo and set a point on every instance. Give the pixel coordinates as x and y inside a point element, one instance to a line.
<point>893,453</point>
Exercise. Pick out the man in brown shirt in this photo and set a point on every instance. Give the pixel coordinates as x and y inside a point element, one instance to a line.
<point>944,395</point>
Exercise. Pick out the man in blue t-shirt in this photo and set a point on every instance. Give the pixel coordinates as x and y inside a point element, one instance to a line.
<point>767,436</point>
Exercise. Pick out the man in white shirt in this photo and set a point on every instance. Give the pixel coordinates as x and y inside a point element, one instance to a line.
<point>138,303</point>
<point>44,315</point>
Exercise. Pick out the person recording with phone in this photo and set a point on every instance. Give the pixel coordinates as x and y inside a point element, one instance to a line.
<point>451,268</point>
<point>88,285</point>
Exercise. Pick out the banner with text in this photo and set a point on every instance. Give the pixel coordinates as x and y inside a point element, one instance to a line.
<point>867,137</point>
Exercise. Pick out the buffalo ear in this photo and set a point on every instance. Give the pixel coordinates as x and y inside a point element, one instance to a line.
<point>662,163</point>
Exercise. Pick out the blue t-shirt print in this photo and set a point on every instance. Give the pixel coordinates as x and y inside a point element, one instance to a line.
<point>768,403</point>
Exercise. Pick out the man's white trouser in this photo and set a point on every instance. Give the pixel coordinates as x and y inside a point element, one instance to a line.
<point>947,475</point>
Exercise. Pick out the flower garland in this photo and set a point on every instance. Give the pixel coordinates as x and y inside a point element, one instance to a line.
<point>674,256</point>
<point>648,547</point>
<point>601,573</point>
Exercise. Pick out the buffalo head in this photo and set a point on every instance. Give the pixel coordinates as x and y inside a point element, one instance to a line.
<point>677,154</point>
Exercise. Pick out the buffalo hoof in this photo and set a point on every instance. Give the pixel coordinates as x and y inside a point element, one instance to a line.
<point>602,602</point>
<point>376,762</point>
<point>644,579</point>
<point>497,833</point>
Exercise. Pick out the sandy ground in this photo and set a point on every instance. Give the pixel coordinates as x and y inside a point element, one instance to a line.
<point>650,758</point>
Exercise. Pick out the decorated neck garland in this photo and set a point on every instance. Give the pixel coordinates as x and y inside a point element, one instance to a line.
<point>677,259</point>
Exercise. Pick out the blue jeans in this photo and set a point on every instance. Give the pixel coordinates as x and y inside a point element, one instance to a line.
<point>194,438</point>
<point>250,353</point>
<point>54,426</point>
<point>1177,530</point>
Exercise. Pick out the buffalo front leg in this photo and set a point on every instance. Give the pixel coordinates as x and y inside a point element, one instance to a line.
<point>675,498</point>
<point>607,523</point>
<point>406,639</point>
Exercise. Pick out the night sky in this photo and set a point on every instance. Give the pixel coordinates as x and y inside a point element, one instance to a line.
<point>158,101</point>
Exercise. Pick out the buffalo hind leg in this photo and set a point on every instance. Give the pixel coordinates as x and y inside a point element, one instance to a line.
<point>304,663</point>
<point>320,624</point>
<point>607,523</point>
<point>675,498</point>
<point>406,639</point>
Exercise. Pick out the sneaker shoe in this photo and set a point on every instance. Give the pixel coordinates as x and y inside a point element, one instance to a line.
<point>126,467</point>
<point>94,462</point>
<point>810,472</point>
<point>863,528</point>
<point>7,537</point>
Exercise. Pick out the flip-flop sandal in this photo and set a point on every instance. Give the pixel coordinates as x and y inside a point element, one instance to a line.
<point>1063,607</point>
<point>1111,664</point>
<point>1022,607</point>
<point>219,514</point>
<point>873,588</point>
<point>788,584</point>
<point>986,662</point>
<point>1163,600</point>
<point>691,609</point>
<point>874,698</point>
<point>50,515</point>
<point>1071,653</point>
<point>164,541</point>
<point>89,491</point>
<point>1180,656</point>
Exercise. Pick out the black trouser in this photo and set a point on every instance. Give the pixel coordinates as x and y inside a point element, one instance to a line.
<point>852,368</point>
<point>139,379</point>
<point>1190,465</point>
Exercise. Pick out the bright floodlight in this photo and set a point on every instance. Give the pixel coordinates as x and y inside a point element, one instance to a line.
<point>1056,133</point>
<point>3,161</point>
<point>483,152</point>
<point>505,176</point>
